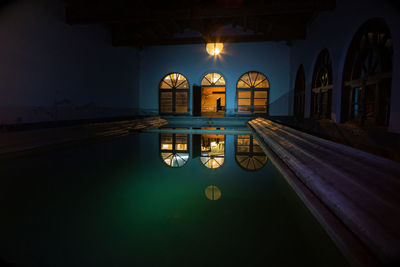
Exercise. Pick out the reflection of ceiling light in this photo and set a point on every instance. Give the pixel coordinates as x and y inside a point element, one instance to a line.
<point>213,192</point>
<point>164,146</point>
<point>214,49</point>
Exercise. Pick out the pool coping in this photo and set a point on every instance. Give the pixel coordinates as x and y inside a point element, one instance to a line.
<point>354,250</point>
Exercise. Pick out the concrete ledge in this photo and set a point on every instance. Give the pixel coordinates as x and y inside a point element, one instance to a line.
<point>189,121</point>
<point>360,189</point>
<point>15,143</point>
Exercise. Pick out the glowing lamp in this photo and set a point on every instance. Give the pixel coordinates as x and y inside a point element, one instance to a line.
<point>214,49</point>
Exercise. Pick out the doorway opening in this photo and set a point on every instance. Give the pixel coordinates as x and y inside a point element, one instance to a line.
<point>213,95</point>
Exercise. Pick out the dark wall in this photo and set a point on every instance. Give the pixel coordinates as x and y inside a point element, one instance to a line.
<point>334,30</point>
<point>50,70</point>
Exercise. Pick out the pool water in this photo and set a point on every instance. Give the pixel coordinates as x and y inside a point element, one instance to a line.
<point>119,203</point>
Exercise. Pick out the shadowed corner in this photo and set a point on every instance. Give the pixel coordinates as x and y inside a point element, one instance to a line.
<point>4,263</point>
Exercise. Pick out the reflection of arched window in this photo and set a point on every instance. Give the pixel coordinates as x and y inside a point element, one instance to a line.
<point>252,93</point>
<point>174,94</point>
<point>321,93</point>
<point>174,149</point>
<point>367,75</point>
<point>299,93</point>
<point>249,154</point>
<point>212,93</point>
<point>212,150</point>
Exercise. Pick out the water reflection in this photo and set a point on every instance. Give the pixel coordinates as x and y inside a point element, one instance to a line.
<point>213,192</point>
<point>248,153</point>
<point>212,150</point>
<point>174,149</point>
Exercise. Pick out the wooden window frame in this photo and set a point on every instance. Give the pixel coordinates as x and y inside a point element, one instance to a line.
<point>173,90</point>
<point>322,85</point>
<point>299,93</point>
<point>252,90</point>
<point>368,68</point>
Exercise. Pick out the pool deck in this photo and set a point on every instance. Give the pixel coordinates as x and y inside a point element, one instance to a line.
<point>355,195</point>
<point>15,143</point>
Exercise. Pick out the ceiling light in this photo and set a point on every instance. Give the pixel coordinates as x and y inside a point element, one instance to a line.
<point>214,49</point>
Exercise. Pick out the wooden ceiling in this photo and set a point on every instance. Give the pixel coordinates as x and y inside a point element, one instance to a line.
<point>149,22</point>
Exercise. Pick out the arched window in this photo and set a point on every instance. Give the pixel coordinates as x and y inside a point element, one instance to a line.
<point>213,94</point>
<point>174,149</point>
<point>248,153</point>
<point>252,93</point>
<point>212,150</point>
<point>299,93</point>
<point>367,76</point>
<point>321,93</point>
<point>174,94</point>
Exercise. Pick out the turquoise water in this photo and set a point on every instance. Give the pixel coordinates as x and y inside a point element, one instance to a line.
<point>118,204</point>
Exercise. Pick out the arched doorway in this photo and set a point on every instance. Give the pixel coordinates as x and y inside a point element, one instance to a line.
<point>213,95</point>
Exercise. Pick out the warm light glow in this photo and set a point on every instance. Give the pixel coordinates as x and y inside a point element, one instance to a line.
<point>214,49</point>
<point>213,144</point>
<point>165,146</point>
<point>213,192</point>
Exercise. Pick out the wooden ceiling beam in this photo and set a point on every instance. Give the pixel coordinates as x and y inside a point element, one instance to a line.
<point>137,39</point>
<point>108,12</point>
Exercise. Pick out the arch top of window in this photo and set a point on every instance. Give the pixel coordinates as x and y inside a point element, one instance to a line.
<point>174,81</point>
<point>253,79</point>
<point>213,79</point>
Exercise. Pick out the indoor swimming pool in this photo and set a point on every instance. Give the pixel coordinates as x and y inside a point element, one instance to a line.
<point>157,199</point>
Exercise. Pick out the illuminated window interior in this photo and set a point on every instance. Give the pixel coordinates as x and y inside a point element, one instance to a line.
<point>212,150</point>
<point>174,149</point>
<point>213,94</point>
<point>252,93</point>
<point>248,153</point>
<point>174,94</point>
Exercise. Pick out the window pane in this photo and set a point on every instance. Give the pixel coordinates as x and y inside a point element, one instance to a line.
<point>244,94</point>
<point>245,78</point>
<point>205,81</point>
<point>244,102</point>
<point>244,109</point>
<point>260,109</point>
<point>253,77</point>
<point>182,85</point>
<point>181,142</point>
<point>164,85</point>
<point>166,102</point>
<point>260,102</point>
<point>260,94</point>
<point>220,81</point>
<point>181,102</point>
<point>242,84</point>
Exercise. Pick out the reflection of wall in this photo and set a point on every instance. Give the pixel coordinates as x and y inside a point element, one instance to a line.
<point>272,59</point>
<point>52,71</point>
<point>323,33</point>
